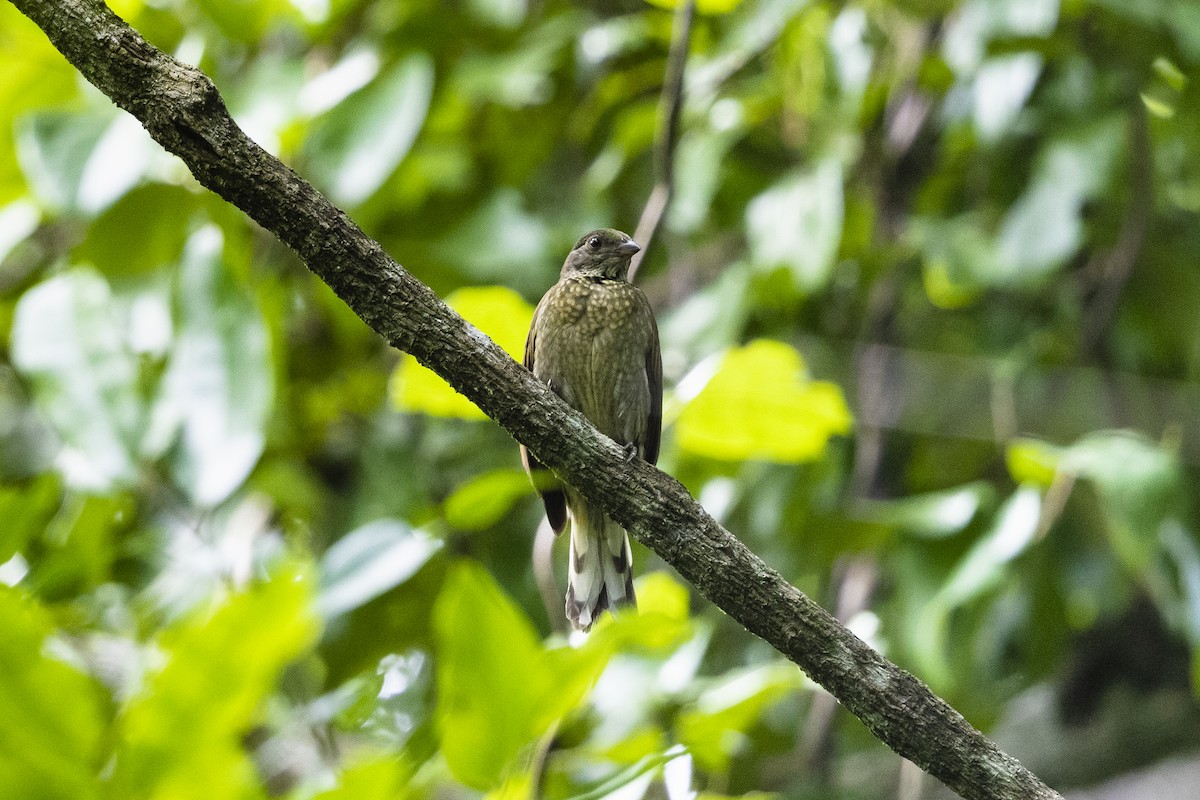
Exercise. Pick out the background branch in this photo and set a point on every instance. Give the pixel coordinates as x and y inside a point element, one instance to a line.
<point>670,106</point>
<point>182,110</point>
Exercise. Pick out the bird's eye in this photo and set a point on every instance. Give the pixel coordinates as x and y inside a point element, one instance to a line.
<point>594,242</point>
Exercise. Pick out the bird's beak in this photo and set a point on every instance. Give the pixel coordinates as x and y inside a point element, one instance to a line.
<point>628,248</point>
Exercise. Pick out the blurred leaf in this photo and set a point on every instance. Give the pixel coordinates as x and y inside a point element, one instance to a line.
<point>25,511</point>
<point>979,571</point>
<point>358,145</point>
<point>761,404</point>
<point>181,734</point>
<point>1139,484</point>
<point>934,515</point>
<point>68,342</point>
<point>1045,226</point>
<point>488,650</point>
<point>53,148</point>
<point>798,224</point>
<point>52,721</point>
<point>700,156</point>
<point>500,241</point>
<point>499,312</point>
<point>17,221</point>
<point>381,778</point>
<point>218,390</point>
<point>142,232</point>
<point>485,499</point>
<point>661,623</point>
<point>1032,462</point>
<point>716,728</point>
<point>521,76</point>
<point>983,564</point>
<point>80,544</point>
<point>703,6</point>
<point>368,561</point>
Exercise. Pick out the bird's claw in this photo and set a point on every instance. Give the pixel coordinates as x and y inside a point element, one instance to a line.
<point>631,452</point>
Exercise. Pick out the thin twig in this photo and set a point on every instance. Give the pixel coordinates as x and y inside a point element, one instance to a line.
<point>670,107</point>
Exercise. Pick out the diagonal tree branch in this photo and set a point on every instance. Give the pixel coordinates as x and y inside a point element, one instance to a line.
<point>182,110</point>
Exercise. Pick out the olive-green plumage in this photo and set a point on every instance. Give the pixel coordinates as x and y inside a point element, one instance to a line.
<point>594,341</point>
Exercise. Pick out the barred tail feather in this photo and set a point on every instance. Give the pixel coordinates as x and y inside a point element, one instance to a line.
<point>600,572</point>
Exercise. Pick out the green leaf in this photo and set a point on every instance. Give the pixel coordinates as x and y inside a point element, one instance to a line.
<point>358,145</point>
<point>1032,462</point>
<point>933,515</point>
<point>368,561</point>
<point>500,242</point>
<point>761,404</point>
<point>798,224</point>
<point>485,499</point>
<point>980,570</point>
<point>181,735</point>
<point>499,312</point>
<point>1139,485</point>
<point>25,511</point>
<point>498,688</point>
<point>702,6</point>
<point>1045,226</point>
<point>380,778</point>
<point>715,729</point>
<point>218,390</point>
<point>53,148</point>
<point>68,341</point>
<point>142,232</point>
<point>983,565</point>
<point>51,716</point>
<point>661,623</point>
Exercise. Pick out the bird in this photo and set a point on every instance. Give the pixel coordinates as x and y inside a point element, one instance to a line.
<point>594,341</point>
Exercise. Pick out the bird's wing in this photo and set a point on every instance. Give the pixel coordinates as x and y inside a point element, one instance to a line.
<point>550,489</point>
<point>654,380</point>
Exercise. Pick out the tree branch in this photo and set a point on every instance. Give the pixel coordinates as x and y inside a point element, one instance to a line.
<point>182,110</point>
<point>670,106</point>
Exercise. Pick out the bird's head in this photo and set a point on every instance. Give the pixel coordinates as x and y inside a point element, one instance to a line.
<point>603,253</point>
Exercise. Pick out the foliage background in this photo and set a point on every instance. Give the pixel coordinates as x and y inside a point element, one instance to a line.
<point>928,299</point>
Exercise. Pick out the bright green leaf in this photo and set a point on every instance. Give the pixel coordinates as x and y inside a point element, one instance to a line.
<point>499,312</point>
<point>498,688</point>
<point>1032,462</point>
<point>181,735</point>
<point>484,500</point>
<point>702,6</point>
<point>660,624</point>
<point>51,716</point>
<point>375,779</point>
<point>762,404</point>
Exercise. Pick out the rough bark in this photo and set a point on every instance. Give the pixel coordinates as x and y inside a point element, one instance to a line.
<point>183,111</point>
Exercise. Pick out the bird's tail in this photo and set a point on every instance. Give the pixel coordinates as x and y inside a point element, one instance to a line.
<point>600,574</point>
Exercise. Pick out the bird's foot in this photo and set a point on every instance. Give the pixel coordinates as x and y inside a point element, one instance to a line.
<point>631,452</point>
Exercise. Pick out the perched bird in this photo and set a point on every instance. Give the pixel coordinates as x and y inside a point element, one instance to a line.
<point>594,341</point>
